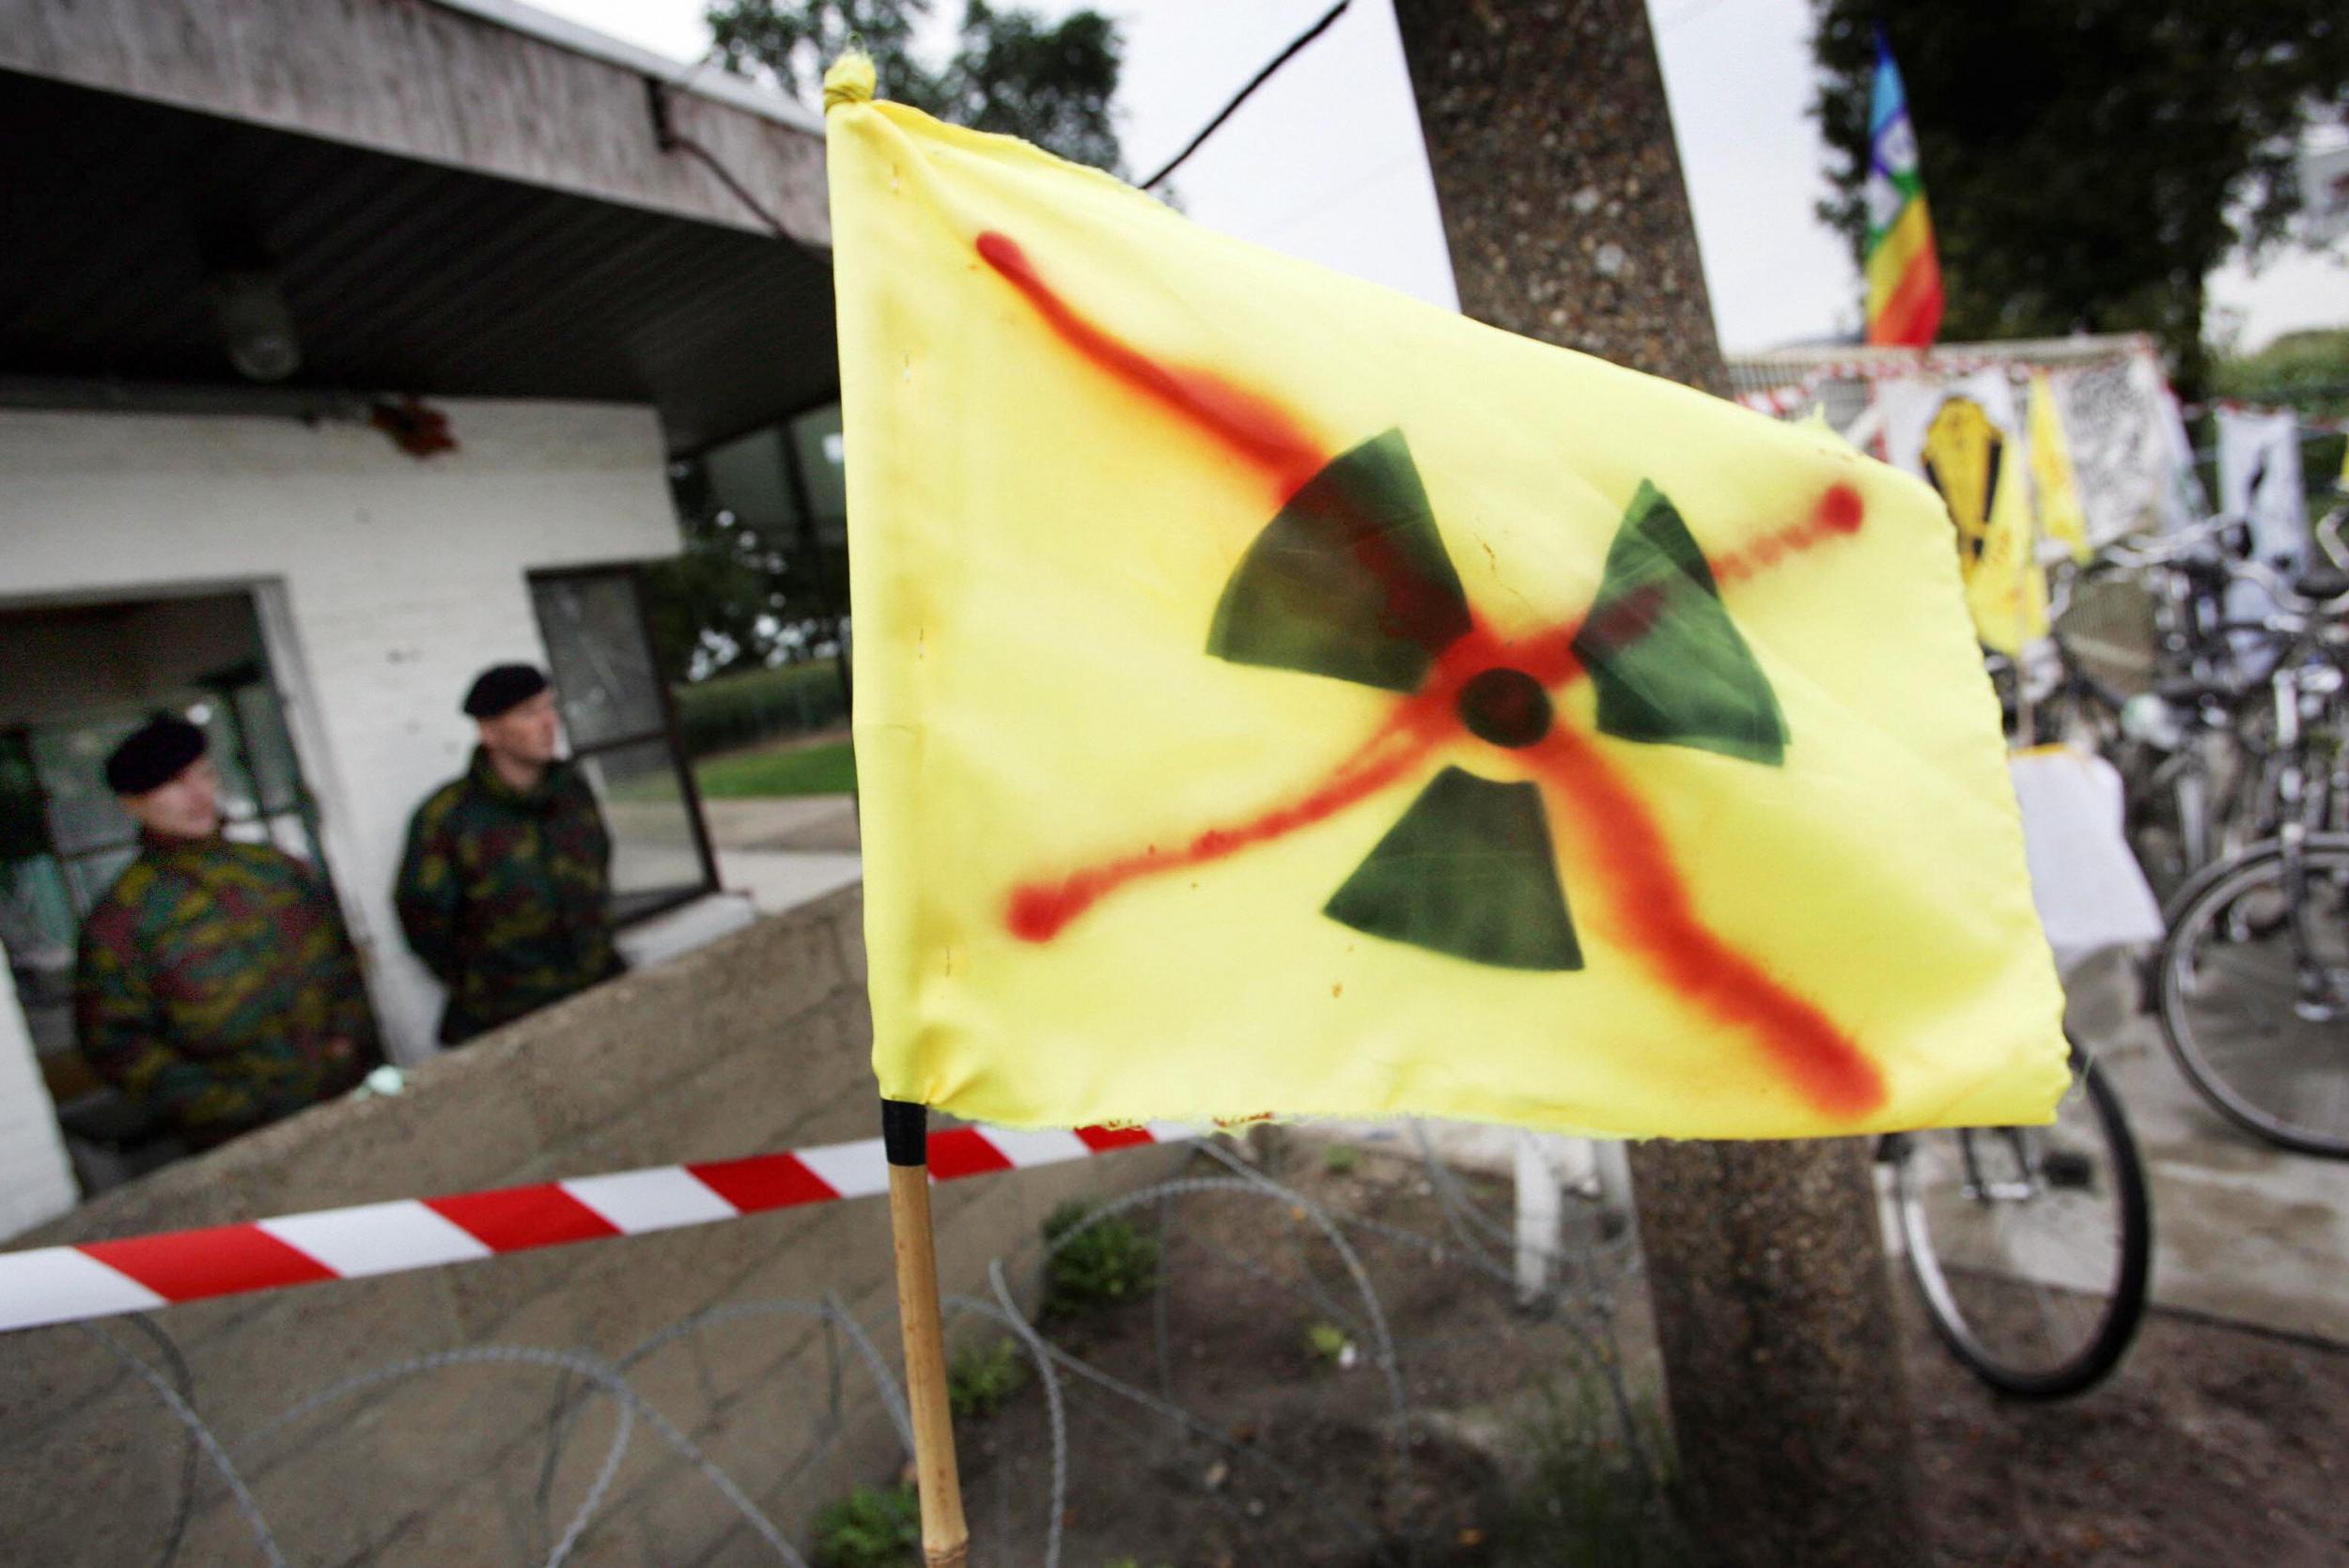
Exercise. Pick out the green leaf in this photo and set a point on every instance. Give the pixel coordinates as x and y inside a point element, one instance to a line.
<point>1349,580</point>
<point>1669,666</point>
<point>1469,871</point>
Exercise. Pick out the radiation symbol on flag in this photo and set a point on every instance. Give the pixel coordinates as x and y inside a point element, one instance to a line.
<point>1351,581</point>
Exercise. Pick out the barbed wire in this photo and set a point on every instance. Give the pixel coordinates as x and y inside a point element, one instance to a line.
<point>1467,1241</point>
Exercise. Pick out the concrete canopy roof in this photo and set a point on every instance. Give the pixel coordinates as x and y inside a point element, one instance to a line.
<point>448,206</point>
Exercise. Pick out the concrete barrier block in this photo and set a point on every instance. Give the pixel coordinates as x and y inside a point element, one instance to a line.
<point>830,1112</point>
<point>100,1489</point>
<point>757,1102</point>
<point>49,1373</point>
<point>483,1294</point>
<point>849,929</point>
<point>609,1052</point>
<point>305,1340</point>
<point>766,1436</point>
<point>643,1284</point>
<point>330,1501</point>
<point>848,1250</point>
<point>478,1523</point>
<point>178,1197</point>
<point>792,958</point>
<point>468,1132</point>
<point>440,1428</point>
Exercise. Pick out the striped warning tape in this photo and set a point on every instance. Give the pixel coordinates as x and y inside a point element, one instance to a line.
<point>1779,402</point>
<point>101,1279</point>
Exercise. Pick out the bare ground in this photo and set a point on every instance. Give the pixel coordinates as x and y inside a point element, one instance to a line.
<point>2212,1444</point>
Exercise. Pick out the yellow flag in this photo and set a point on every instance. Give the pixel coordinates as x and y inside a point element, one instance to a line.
<point>2007,588</point>
<point>1275,695</point>
<point>2060,514</point>
<point>1968,458</point>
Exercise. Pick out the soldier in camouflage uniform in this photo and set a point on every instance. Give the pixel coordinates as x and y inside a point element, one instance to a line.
<point>215,982</point>
<point>505,889</point>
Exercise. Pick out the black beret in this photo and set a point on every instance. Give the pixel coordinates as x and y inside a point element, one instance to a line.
<point>502,687</point>
<point>153,754</point>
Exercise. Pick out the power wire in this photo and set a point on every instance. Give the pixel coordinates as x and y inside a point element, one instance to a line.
<point>1296,44</point>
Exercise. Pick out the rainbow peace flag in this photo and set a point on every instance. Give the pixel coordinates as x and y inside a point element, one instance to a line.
<point>1904,272</point>
<point>1275,695</point>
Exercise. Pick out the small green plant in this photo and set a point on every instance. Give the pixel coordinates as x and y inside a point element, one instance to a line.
<point>980,1379</point>
<point>1328,1342</point>
<point>873,1526</point>
<point>1101,1265</point>
<point>1597,1494</point>
<point>1340,1159</point>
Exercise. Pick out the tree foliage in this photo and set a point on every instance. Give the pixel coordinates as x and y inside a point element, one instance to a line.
<point>2088,161</point>
<point>1011,71</point>
<point>737,598</point>
<point>744,597</point>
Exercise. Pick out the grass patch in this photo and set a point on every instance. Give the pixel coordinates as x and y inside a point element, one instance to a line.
<point>1102,1264</point>
<point>828,770</point>
<point>980,1379</point>
<point>1591,1502</point>
<point>873,1526</point>
<point>1329,1344</point>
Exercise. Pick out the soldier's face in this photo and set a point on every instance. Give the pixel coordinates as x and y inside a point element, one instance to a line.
<point>187,807</point>
<point>528,731</point>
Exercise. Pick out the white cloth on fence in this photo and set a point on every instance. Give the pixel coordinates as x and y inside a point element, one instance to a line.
<point>2089,889</point>
<point>1909,403</point>
<point>2258,477</point>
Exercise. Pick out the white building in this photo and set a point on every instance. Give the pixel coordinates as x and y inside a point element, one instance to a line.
<point>455,218</point>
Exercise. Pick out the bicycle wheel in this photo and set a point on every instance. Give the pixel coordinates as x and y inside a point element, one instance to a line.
<point>2253,992</point>
<point>2033,1246</point>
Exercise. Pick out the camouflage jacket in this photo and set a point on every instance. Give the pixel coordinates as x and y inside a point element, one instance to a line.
<point>506,895</point>
<point>214,980</point>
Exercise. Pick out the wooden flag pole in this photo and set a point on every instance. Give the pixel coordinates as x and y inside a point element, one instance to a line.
<point>905,1136</point>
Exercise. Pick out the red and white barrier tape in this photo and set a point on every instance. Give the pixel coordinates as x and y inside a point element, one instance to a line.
<point>101,1279</point>
<point>1779,401</point>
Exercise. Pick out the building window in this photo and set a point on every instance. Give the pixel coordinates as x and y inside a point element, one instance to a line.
<point>615,713</point>
<point>766,563</point>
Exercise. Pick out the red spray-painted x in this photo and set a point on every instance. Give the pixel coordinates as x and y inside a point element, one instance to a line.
<point>1618,836</point>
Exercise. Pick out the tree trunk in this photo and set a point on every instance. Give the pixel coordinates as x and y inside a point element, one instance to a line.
<point>1552,150</point>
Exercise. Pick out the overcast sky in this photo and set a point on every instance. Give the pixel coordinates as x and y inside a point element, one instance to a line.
<point>1326,161</point>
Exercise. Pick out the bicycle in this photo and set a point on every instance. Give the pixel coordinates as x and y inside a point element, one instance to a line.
<point>2251,985</point>
<point>2033,1247</point>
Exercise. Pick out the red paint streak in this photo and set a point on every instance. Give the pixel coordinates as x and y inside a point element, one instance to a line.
<point>1413,609</point>
<point>1038,912</point>
<point>1651,902</point>
<point>1253,427</point>
<point>1838,514</point>
<point>1621,838</point>
<point>1840,510</point>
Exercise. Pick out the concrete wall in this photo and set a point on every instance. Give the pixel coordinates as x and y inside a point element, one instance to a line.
<point>476,85</point>
<point>384,582</point>
<point>758,1042</point>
